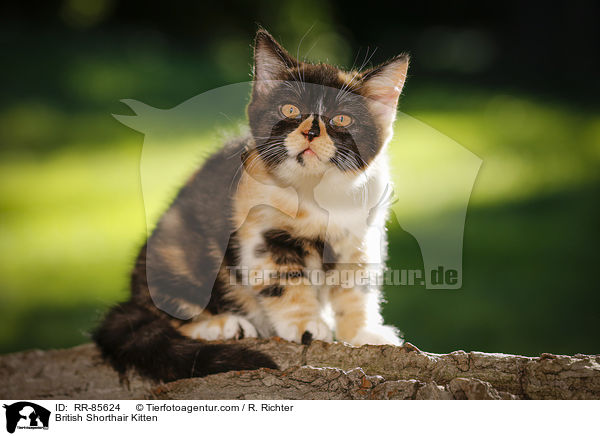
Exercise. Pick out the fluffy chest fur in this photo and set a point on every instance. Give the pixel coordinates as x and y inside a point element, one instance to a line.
<point>346,212</point>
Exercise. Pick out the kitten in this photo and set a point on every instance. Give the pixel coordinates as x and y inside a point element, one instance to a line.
<point>302,194</point>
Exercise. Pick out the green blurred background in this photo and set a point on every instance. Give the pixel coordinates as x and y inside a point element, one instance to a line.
<point>517,88</point>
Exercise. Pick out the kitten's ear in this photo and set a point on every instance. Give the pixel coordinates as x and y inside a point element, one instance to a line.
<point>271,61</point>
<point>383,85</point>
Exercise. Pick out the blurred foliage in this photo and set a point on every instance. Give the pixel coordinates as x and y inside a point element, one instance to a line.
<point>72,215</point>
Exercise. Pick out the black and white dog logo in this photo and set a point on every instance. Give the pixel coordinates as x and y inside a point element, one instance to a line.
<point>26,415</point>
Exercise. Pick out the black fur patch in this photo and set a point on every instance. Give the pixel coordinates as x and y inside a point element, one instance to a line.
<point>284,248</point>
<point>219,301</point>
<point>232,253</point>
<point>272,291</point>
<point>307,338</point>
<point>325,249</point>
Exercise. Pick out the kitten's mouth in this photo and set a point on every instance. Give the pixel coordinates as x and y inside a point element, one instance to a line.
<point>308,152</point>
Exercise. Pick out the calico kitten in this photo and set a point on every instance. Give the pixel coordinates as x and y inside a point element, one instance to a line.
<point>301,194</point>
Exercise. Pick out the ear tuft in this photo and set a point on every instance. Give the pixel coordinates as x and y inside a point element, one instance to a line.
<point>383,85</point>
<point>271,60</point>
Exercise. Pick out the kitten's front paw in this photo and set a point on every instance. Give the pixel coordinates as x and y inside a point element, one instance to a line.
<point>220,327</point>
<point>313,330</point>
<point>316,330</point>
<point>377,335</point>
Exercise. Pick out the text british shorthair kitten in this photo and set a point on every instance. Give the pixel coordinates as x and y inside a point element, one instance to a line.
<point>302,197</point>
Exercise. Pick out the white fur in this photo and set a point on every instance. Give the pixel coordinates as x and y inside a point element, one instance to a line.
<point>290,332</point>
<point>210,330</point>
<point>377,335</point>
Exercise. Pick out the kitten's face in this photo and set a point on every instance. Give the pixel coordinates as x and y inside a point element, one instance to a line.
<point>307,119</point>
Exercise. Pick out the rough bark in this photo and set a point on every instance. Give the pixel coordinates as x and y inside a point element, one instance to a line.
<point>317,371</point>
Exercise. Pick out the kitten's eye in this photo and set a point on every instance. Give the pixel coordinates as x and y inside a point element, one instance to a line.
<point>290,111</point>
<point>341,121</point>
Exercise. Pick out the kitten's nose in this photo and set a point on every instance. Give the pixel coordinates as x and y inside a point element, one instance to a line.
<point>314,130</point>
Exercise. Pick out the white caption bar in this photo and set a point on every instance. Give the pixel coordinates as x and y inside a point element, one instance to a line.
<point>299,417</point>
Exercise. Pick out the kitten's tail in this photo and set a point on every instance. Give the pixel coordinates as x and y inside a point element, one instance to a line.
<point>133,336</point>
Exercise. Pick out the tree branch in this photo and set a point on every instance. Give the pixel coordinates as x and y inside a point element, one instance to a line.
<point>317,371</point>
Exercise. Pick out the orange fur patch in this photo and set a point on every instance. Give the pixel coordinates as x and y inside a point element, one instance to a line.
<point>349,307</point>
